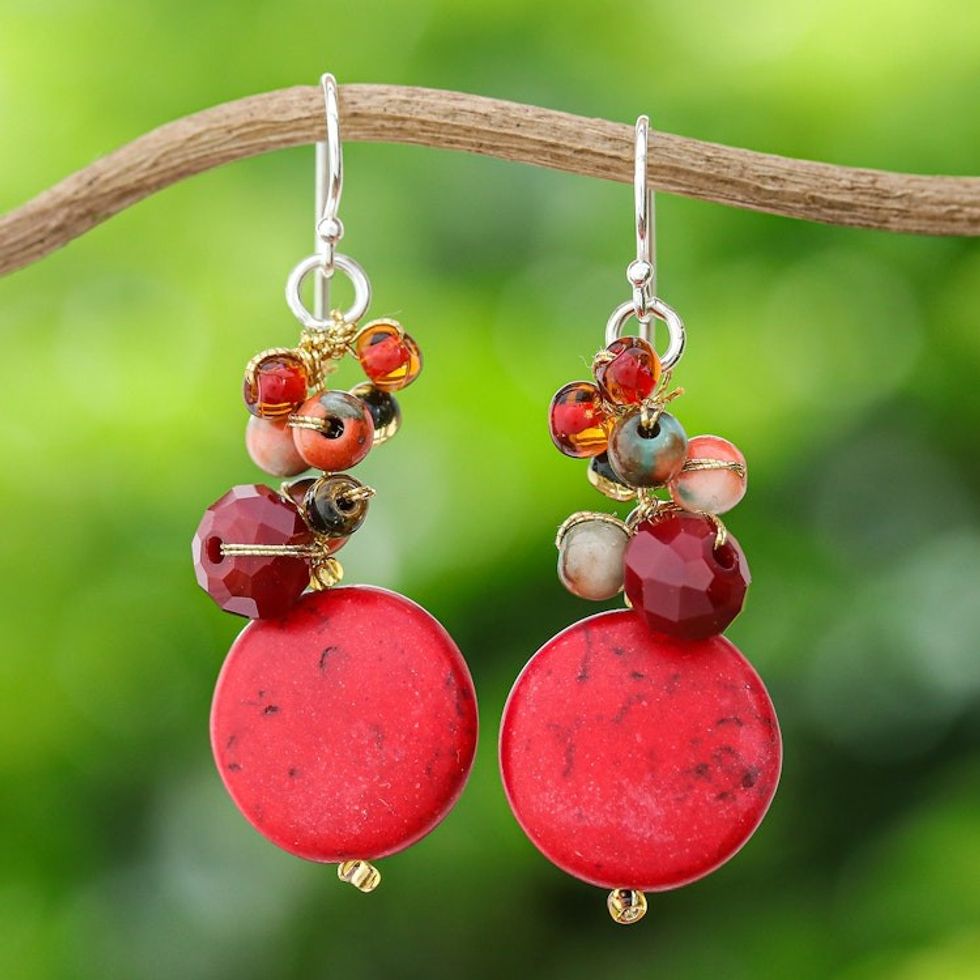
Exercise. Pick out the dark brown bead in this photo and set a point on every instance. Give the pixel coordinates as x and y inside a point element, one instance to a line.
<point>335,505</point>
<point>385,411</point>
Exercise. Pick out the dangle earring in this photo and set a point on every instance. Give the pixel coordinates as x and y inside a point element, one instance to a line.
<point>639,750</point>
<point>344,720</point>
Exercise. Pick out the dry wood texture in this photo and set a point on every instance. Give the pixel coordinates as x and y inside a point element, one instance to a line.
<point>454,121</point>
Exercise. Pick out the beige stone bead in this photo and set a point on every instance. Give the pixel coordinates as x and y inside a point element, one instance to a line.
<point>590,555</point>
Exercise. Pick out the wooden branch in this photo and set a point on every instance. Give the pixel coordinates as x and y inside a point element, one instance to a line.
<point>454,121</point>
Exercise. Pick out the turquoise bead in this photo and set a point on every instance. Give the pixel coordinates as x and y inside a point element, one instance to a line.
<point>647,459</point>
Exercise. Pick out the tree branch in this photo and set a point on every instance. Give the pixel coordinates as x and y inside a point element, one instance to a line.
<point>527,134</point>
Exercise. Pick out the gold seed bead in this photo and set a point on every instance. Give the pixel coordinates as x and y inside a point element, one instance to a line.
<point>326,574</point>
<point>363,875</point>
<point>626,905</point>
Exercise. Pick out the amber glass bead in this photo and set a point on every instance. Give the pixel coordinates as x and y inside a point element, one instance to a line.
<point>390,357</point>
<point>627,371</point>
<point>579,424</point>
<point>332,508</point>
<point>333,430</point>
<point>275,386</point>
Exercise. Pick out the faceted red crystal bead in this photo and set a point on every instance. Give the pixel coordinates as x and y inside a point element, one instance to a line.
<point>578,422</point>
<point>637,760</point>
<point>346,729</point>
<point>259,587</point>
<point>631,372</point>
<point>680,582</point>
<point>276,386</point>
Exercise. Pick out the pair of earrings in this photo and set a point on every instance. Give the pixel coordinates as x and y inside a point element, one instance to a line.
<point>639,749</point>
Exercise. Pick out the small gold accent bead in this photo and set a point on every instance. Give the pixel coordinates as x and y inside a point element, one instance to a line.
<point>363,875</point>
<point>626,905</point>
<point>326,574</point>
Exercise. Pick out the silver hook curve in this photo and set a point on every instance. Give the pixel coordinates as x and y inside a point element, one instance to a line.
<point>641,273</point>
<point>329,186</point>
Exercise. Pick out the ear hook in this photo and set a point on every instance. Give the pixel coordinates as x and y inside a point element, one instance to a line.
<point>329,185</point>
<point>641,273</point>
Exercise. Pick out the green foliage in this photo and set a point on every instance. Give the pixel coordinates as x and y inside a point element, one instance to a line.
<point>844,363</point>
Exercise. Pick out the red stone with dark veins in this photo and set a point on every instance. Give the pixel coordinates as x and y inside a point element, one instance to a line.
<point>635,760</point>
<point>346,729</point>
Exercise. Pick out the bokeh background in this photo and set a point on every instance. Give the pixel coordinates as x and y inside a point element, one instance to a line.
<point>843,362</point>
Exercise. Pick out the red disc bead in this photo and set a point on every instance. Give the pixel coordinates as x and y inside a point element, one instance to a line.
<point>347,729</point>
<point>680,581</point>
<point>630,372</point>
<point>257,586</point>
<point>578,422</point>
<point>636,760</point>
<point>276,386</point>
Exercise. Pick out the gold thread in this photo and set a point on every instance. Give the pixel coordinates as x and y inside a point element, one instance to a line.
<point>580,517</point>
<point>699,464</point>
<point>253,364</point>
<point>308,422</point>
<point>361,492</point>
<point>261,550</point>
<point>721,532</point>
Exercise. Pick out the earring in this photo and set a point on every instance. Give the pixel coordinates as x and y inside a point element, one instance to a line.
<point>639,750</point>
<point>344,720</point>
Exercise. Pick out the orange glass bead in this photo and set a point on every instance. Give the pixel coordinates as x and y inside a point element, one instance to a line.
<point>389,356</point>
<point>627,371</point>
<point>579,424</point>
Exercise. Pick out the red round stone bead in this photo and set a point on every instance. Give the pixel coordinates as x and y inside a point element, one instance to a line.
<point>348,728</point>
<point>680,582</point>
<point>333,431</point>
<point>578,422</point>
<point>257,586</point>
<point>636,760</point>
<point>276,386</point>
<point>630,374</point>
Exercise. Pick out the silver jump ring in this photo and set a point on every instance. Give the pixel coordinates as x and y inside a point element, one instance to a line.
<point>659,309</point>
<point>357,276</point>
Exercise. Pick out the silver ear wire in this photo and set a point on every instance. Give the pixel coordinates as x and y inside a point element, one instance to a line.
<point>329,186</point>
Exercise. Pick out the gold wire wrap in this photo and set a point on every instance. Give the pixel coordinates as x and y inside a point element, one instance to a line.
<point>581,516</point>
<point>701,464</point>
<point>308,422</point>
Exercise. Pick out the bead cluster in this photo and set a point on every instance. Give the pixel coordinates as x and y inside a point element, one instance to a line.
<point>257,550</point>
<point>673,557</point>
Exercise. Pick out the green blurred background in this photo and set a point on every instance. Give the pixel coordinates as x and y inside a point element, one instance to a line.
<point>843,362</point>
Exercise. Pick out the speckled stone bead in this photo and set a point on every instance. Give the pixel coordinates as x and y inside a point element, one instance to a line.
<point>332,431</point>
<point>647,459</point>
<point>590,556</point>
<point>270,444</point>
<point>633,760</point>
<point>713,479</point>
<point>347,729</point>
